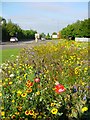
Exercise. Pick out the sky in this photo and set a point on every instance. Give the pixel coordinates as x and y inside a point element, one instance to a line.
<point>47,17</point>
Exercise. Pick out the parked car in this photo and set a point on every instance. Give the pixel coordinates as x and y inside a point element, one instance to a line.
<point>43,38</point>
<point>13,39</point>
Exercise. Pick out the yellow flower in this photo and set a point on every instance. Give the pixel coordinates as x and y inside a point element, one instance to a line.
<point>76,70</point>
<point>17,113</point>
<point>26,112</point>
<point>84,109</point>
<point>20,108</point>
<point>18,77</point>
<point>25,75</point>
<point>31,112</point>
<point>38,93</point>
<point>29,90</point>
<point>19,92</point>
<point>23,95</point>
<point>54,111</point>
<point>0,94</point>
<point>34,116</point>
<point>2,113</point>
<point>9,71</point>
<point>2,107</point>
<point>52,104</point>
<point>83,83</point>
<point>6,79</point>
<point>13,116</point>
<point>13,101</point>
<point>10,83</point>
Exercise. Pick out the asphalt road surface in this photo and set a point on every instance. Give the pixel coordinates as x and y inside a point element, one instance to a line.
<point>23,44</point>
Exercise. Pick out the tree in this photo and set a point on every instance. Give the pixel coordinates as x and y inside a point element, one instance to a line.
<point>54,33</point>
<point>48,37</point>
<point>12,28</point>
<point>77,29</point>
<point>42,35</point>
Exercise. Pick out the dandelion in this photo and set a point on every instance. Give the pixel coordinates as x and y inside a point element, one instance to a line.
<point>84,109</point>
<point>54,111</point>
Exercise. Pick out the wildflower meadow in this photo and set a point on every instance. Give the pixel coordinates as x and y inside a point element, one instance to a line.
<point>47,82</point>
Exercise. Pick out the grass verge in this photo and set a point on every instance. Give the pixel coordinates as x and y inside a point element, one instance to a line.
<point>9,54</point>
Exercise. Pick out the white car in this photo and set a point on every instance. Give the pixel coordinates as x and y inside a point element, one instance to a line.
<point>13,39</point>
<point>43,38</point>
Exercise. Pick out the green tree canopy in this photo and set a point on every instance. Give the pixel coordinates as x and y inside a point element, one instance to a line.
<point>77,29</point>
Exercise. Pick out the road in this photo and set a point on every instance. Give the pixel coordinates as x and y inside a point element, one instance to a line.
<point>24,44</point>
<point>21,44</point>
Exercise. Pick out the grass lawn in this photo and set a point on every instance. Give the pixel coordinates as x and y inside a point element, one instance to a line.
<point>9,54</point>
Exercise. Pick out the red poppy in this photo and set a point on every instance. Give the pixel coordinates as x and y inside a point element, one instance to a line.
<point>59,88</point>
<point>37,80</point>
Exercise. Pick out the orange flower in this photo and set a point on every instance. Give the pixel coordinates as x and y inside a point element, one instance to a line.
<point>29,90</point>
<point>20,108</point>
<point>13,117</point>
<point>59,88</point>
<point>29,83</point>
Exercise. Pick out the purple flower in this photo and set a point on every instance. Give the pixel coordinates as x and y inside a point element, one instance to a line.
<point>84,98</point>
<point>74,89</point>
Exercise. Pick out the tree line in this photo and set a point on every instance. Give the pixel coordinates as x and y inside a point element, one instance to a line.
<point>13,30</point>
<point>77,29</point>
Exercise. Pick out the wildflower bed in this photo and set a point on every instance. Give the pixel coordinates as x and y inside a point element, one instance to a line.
<point>47,82</point>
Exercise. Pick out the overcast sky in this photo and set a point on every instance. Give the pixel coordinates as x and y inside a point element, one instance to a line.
<point>44,16</point>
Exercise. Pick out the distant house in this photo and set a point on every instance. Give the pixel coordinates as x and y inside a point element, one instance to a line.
<point>54,35</point>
